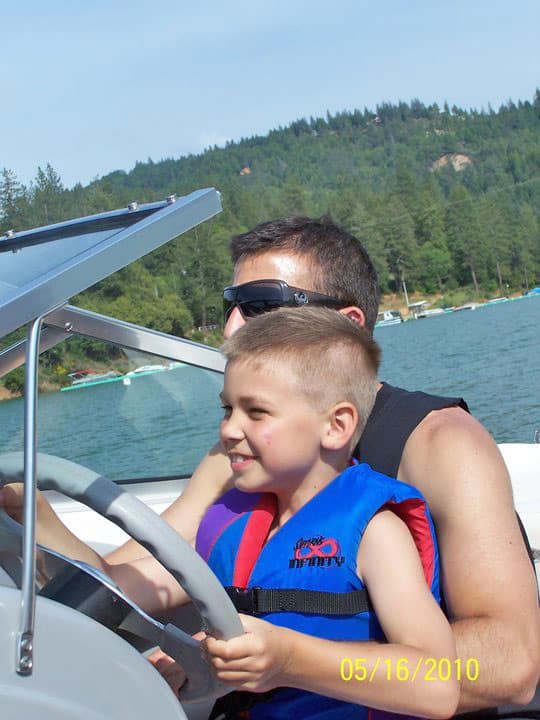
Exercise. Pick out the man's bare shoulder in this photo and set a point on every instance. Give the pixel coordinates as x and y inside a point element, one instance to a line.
<point>447,420</point>
<point>451,453</point>
<point>458,467</point>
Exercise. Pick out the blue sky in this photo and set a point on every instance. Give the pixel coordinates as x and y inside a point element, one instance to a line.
<point>95,86</point>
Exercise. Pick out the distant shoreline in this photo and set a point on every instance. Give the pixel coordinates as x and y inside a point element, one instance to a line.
<point>396,301</point>
<point>6,394</point>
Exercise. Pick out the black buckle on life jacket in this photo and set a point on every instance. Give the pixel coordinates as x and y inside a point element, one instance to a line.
<point>245,600</point>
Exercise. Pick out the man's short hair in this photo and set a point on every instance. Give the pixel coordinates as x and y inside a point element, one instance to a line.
<point>331,359</point>
<point>340,264</point>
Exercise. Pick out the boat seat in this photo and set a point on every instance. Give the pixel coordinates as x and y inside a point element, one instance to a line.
<point>523,463</point>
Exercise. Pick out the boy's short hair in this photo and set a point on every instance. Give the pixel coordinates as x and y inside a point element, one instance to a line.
<point>333,359</point>
<point>340,265</point>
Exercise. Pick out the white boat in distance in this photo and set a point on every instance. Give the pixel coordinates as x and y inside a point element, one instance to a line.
<point>467,306</point>
<point>433,313</point>
<point>388,317</point>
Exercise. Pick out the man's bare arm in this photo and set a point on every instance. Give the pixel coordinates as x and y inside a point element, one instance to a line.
<point>209,481</point>
<point>50,530</point>
<point>144,580</point>
<point>488,581</point>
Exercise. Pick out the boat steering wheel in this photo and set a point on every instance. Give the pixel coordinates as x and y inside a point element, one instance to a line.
<point>156,535</point>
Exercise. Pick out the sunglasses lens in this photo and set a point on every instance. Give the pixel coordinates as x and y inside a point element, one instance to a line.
<point>253,298</point>
<point>228,307</point>
<point>253,308</point>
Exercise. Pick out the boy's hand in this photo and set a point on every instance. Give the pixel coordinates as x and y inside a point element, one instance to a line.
<point>169,669</point>
<point>255,661</point>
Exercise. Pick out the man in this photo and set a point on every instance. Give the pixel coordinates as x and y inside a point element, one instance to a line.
<point>431,443</point>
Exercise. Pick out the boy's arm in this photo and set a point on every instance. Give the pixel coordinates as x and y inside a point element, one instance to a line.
<point>489,584</point>
<point>270,656</point>
<point>210,481</point>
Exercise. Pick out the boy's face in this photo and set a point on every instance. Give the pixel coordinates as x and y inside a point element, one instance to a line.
<point>270,432</point>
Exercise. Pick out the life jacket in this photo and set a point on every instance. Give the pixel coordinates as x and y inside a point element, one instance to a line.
<point>316,549</point>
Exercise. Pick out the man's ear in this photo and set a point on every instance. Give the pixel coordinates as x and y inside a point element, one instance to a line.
<point>340,425</point>
<point>355,314</point>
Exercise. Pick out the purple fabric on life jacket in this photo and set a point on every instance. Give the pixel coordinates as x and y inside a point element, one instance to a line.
<point>220,515</point>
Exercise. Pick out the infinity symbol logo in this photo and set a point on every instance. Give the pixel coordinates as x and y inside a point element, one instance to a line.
<point>327,548</point>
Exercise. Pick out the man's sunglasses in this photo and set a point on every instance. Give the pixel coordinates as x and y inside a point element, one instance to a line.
<point>261,296</point>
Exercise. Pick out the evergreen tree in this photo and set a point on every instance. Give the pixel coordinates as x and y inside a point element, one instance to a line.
<point>294,198</point>
<point>465,238</point>
<point>203,267</point>
<point>47,196</point>
<point>13,201</point>
<point>495,214</point>
<point>397,229</point>
<point>365,227</point>
<point>525,250</point>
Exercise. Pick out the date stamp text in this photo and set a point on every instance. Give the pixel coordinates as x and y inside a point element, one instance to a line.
<point>426,668</point>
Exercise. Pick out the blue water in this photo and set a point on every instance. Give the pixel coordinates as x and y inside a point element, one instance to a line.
<point>163,424</point>
<point>490,356</point>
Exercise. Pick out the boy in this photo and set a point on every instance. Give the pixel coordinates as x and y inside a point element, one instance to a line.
<point>300,516</point>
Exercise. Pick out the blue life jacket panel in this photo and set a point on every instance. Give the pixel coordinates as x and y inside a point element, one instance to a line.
<point>316,549</point>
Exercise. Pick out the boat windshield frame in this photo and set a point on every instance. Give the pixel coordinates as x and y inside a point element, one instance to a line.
<point>74,270</point>
<point>68,320</point>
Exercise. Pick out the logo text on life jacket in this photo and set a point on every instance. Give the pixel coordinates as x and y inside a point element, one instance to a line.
<point>317,551</point>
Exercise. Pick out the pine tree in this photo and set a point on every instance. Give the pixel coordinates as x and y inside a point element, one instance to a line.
<point>397,229</point>
<point>364,226</point>
<point>466,241</point>
<point>525,249</point>
<point>203,268</point>
<point>13,201</point>
<point>47,196</point>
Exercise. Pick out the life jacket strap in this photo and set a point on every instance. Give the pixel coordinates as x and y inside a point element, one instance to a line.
<point>256,601</point>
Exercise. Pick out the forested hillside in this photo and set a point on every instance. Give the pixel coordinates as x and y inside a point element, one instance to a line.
<point>443,198</point>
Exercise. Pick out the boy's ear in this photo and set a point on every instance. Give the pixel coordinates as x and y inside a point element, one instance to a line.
<point>340,425</point>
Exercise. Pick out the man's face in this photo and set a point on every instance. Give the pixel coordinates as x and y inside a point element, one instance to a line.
<point>292,268</point>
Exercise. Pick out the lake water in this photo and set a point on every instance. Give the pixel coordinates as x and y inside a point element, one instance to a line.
<point>162,424</point>
<point>489,356</point>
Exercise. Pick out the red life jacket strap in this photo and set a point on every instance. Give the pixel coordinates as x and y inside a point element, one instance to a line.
<point>413,512</point>
<point>253,539</point>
